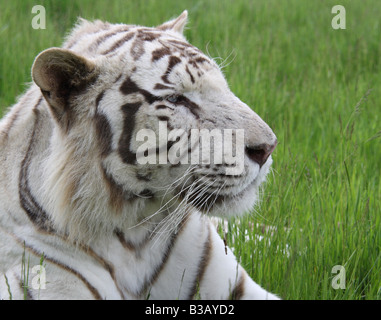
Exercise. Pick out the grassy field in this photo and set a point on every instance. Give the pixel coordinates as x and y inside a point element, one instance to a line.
<point>318,88</point>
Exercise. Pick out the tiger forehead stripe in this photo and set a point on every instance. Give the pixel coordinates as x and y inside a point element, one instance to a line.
<point>160,53</point>
<point>159,86</point>
<point>119,43</point>
<point>147,35</point>
<point>190,74</point>
<point>173,60</point>
<point>80,36</point>
<point>129,86</point>
<point>137,49</point>
<point>107,35</point>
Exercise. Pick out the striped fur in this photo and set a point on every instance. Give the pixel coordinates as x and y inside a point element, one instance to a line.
<point>72,190</point>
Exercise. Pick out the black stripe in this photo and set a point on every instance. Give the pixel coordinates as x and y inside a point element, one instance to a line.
<point>99,98</point>
<point>119,43</point>
<point>159,86</point>
<point>129,112</point>
<point>127,244</point>
<point>193,107</point>
<point>161,106</point>
<point>34,210</point>
<point>128,87</point>
<point>167,253</point>
<point>103,129</point>
<point>164,118</point>
<point>118,78</point>
<point>173,60</point>
<point>137,49</point>
<point>135,248</point>
<point>190,74</point>
<point>148,35</point>
<point>106,36</point>
<point>160,53</point>
<point>107,265</point>
<point>204,261</point>
<point>147,177</point>
<point>239,288</point>
<point>138,46</point>
<point>24,287</point>
<point>118,196</point>
<point>182,45</point>
<point>74,41</point>
<point>155,274</point>
<point>146,193</point>
<point>104,134</point>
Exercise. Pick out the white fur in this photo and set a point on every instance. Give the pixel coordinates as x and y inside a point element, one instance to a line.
<point>159,248</point>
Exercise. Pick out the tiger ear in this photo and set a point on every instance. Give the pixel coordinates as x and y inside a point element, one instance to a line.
<point>61,74</point>
<point>177,24</point>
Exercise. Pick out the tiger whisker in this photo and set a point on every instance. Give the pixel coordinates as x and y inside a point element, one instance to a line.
<point>185,199</point>
<point>163,207</point>
<point>194,202</point>
<point>172,221</point>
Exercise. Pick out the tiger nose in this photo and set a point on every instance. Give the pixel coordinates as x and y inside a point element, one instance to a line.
<point>260,153</point>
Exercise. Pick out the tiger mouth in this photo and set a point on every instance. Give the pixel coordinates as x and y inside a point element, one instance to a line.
<point>205,200</point>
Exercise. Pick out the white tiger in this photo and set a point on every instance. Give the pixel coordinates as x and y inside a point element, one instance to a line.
<point>73,193</point>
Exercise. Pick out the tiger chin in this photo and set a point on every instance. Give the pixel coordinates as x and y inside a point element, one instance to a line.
<point>87,189</point>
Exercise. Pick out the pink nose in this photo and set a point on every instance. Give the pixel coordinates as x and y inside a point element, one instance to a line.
<point>260,153</point>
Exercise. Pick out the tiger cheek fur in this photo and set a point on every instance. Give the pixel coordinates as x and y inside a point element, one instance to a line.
<point>75,190</point>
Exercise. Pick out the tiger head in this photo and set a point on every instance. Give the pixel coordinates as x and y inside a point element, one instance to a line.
<point>123,100</point>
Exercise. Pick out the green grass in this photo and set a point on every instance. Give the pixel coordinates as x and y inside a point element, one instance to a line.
<point>318,88</point>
